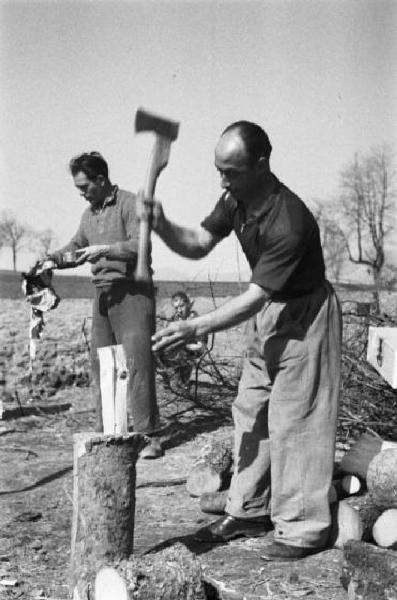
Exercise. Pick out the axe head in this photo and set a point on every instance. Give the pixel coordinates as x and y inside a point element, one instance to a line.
<point>146,121</point>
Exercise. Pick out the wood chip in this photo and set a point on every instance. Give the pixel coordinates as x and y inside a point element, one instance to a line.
<point>9,582</point>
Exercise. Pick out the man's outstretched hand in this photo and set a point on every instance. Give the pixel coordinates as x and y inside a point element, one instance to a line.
<point>91,254</point>
<point>174,336</point>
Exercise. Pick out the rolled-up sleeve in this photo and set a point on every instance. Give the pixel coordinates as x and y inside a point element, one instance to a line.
<point>220,221</point>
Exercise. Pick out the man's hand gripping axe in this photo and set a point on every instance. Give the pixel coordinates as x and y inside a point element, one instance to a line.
<point>166,132</point>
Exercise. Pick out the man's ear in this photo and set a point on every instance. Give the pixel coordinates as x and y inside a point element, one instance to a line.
<point>262,165</point>
<point>100,180</point>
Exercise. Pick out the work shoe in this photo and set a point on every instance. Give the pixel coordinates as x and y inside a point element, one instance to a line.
<point>228,527</point>
<point>153,449</point>
<point>277,551</point>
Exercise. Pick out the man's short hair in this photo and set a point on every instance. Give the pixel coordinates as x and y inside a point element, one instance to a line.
<point>181,295</point>
<point>256,140</point>
<point>91,164</point>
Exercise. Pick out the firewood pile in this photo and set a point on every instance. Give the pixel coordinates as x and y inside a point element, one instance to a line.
<point>370,552</point>
<point>368,403</point>
<point>363,502</point>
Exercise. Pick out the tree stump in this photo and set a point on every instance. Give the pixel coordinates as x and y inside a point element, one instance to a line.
<point>369,572</point>
<point>172,574</point>
<point>103,504</point>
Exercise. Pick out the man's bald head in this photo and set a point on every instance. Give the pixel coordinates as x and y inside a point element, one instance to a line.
<point>254,140</point>
<point>231,148</point>
<point>241,158</point>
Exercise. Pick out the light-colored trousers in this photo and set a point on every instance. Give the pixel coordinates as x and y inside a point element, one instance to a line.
<point>285,417</point>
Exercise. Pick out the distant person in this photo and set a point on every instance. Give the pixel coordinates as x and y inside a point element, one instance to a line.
<point>123,309</point>
<point>180,361</point>
<point>285,413</point>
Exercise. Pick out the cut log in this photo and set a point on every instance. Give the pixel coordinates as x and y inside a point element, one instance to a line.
<point>212,471</point>
<point>357,459</point>
<point>384,530</point>
<point>351,484</point>
<point>109,584</point>
<point>368,511</point>
<point>341,488</point>
<point>214,503</point>
<point>173,574</point>
<point>103,504</point>
<point>369,572</point>
<point>382,478</point>
<point>346,524</point>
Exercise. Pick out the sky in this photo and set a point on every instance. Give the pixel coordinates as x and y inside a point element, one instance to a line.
<point>319,76</point>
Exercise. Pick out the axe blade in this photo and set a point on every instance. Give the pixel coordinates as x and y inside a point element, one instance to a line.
<point>147,121</point>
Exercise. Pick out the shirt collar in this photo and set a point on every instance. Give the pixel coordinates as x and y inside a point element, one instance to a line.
<point>112,198</point>
<point>268,203</point>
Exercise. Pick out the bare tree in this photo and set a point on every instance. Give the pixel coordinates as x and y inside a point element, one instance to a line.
<point>389,276</point>
<point>44,241</point>
<point>13,234</point>
<point>367,210</point>
<point>332,240</point>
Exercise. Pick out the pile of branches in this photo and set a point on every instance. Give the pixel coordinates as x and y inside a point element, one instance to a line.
<point>368,403</point>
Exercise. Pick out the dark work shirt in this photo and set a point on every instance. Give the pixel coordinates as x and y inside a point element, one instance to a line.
<point>281,243</point>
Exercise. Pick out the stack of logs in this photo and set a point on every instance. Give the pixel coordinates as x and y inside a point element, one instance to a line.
<point>363,500</point>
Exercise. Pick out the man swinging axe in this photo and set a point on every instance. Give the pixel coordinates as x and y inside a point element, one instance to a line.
<point>285,412</point>
<point>116,243</point>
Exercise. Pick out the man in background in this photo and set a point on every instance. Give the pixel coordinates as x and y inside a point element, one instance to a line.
<point>285,412</point>
<point>179,364</point>
<point>123,310</point>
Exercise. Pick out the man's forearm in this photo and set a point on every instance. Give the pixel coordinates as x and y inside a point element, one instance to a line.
<point>182,240</point>
<point>125,251</point>
<point>233,312</point>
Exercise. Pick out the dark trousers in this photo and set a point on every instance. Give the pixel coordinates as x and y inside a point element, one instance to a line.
<point>124,313</point>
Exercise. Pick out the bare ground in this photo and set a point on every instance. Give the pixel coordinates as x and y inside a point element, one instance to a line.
<point>36,510</point>
<point>36,438</point>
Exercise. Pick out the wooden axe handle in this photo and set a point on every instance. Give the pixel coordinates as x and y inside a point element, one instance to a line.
<point>158,161</point>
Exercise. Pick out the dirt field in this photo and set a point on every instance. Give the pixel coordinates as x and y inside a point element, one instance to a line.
<point>41,414</point>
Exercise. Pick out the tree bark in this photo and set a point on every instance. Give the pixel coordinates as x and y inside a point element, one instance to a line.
<point>103,504</point>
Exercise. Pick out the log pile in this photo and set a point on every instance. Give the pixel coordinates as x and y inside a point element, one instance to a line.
<point>370,560</point>
<point>375,461</point>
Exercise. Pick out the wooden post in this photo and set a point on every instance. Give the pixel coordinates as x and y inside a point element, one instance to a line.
<point>114,389</point>
<point>103,504</point>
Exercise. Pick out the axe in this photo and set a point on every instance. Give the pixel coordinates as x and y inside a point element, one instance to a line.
<point>166,132</point>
